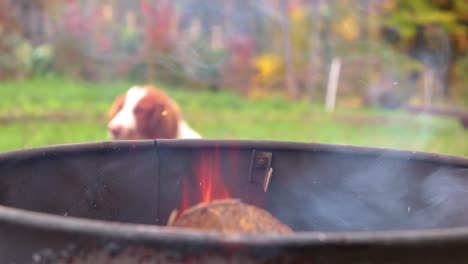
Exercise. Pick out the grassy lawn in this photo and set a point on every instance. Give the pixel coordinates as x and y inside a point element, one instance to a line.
<point>50,111</point>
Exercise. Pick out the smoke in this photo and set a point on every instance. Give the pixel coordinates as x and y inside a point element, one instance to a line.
<point>375,195</point>
<point>443,195</point>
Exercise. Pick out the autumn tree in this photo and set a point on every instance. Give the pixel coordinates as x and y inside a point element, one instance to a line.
<point>432,31</point>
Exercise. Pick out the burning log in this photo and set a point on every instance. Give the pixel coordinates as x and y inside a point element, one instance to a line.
<point>229,216</point>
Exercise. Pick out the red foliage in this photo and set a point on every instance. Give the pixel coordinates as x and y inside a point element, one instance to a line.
<point>158,24</point>
<point>76,22</point>
<point>242,48</point>
<point>83,26</point>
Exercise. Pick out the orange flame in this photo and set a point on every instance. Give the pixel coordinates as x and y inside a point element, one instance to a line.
<point>208,177</point>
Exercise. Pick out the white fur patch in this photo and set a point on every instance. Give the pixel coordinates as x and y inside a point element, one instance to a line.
<point>125,118</point>
<point>186,132</point>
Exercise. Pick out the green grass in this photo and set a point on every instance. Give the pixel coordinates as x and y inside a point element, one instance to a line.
<point>49,111</point>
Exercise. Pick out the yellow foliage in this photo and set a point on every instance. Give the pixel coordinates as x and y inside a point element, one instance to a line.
<point>348,28</point>
<point>353,102</point>
<point>461,8</point>
<point>441,2</point>
<point>389,5</point>
<point>267,67</point>
<point>298,15</point>
<point>258,93</point>
<point>300,31</point>
<point>461,39</point>
<point>268,72</point>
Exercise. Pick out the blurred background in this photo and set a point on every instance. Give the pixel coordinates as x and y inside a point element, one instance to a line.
<point>385,73</point>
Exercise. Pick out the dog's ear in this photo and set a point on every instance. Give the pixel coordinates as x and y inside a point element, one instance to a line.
<point>164,121</point>
<point>116,106</point>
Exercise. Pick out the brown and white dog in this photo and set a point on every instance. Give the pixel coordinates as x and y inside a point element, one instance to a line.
<point>145,112</point>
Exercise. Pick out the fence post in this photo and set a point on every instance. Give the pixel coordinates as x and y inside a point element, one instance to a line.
<point>332,87</point>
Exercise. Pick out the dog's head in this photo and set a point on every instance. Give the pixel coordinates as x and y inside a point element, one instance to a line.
<point>143,112</point>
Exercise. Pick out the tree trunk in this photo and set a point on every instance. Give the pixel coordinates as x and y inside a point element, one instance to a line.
<point>291,83</point>
<point>314,67</point>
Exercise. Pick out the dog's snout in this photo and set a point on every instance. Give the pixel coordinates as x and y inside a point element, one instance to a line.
<point>115,131</point>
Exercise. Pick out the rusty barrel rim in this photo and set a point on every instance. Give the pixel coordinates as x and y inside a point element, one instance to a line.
<point>150,233</point>
<point>410,155</point>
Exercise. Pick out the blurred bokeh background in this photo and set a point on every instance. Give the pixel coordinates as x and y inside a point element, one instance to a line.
<point>385,73</point>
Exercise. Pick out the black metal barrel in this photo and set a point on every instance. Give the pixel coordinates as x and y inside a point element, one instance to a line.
<point>108,202</point>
